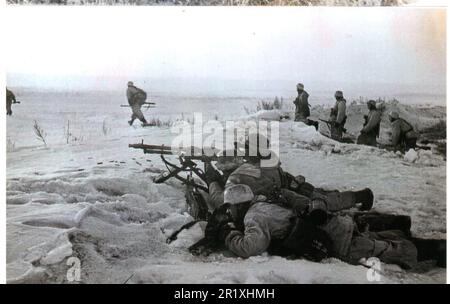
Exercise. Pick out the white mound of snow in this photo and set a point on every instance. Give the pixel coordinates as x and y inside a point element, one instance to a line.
<point>265,115</point>
<point>411,156</point>
<point>190,236</point>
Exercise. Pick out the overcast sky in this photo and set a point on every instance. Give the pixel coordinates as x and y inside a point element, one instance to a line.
<point>328,45</point>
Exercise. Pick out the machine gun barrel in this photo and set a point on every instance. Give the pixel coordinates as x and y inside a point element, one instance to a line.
<point>188,153</point>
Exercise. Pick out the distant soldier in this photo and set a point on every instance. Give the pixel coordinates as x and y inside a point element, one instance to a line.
<point>371,129</point>
<point>403,135</point>
<point>302,111</point>
<point>10,99</point>
<point>338,116</point>
<point>136,98</point>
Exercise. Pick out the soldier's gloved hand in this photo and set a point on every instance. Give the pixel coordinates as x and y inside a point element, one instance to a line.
<point>294,182</point>
<point>225,230</point>
<point>212,175</point>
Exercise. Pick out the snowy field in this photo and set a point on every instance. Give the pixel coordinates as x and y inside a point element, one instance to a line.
<point>87,195</point>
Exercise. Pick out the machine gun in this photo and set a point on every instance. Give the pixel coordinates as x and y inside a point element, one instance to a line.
<point>197,206</point>
<point>186,157</point>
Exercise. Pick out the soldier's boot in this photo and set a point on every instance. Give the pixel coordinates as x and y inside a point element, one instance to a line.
<point>364,198</point>
<point>376,222</point>
<point>144,121</point>
<point>431,250</point>
<point>130,122</point>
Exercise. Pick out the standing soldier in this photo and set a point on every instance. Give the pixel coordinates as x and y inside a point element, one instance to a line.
<point>136,98</point>
<point>403,135</point>
<point>10,99</point>
<point>338,116</point>
<point>371,129</point>
<point>302,111</point>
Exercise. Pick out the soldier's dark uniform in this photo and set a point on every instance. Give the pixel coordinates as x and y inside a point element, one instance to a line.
<point>136,98</point>
<point>338,116</point>
<point>302,111</point>
<point>10,99</point>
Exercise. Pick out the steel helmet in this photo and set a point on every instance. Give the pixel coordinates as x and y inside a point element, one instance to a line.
<point>372,103</point>
<point>339,94</point>
<point>130,83</point>
<point>393,114</point>
<point>237,194</point>
<point>300,86</point>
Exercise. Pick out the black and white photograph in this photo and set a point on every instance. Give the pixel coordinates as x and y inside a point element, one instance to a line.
<point>343,3</point>
<point>272,142</point>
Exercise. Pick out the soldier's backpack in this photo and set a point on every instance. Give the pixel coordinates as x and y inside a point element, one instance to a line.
<point>410,133</point>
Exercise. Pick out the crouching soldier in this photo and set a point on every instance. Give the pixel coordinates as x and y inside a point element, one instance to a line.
<point>257,225</point>
<point>403,135</point>
<point>136,98</point>
<point>302,111</point>
<point>338,116</point>
<point>371,129</point>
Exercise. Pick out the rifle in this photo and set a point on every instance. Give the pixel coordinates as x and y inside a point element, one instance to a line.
<point>390,147</point>
<point>328,122</point>
<point>331,123</point>
<point>148,105</point>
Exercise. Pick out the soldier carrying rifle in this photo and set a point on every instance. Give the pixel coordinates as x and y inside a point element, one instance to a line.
<point>338,116</point>
<point>136,98</point>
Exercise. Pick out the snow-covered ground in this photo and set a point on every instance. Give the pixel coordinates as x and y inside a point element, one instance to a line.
<point>87,195</point>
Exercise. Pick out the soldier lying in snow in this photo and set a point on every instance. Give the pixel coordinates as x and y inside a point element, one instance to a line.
<point>263,180</point>
<point>249,225</point>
